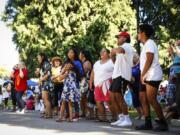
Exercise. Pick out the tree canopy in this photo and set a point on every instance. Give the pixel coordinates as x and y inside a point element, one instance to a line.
<point>53,26</point>
<point>164,15</point>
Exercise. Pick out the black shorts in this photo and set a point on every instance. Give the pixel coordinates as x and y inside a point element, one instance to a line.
<point>119,85</point>
<point>154,84</point>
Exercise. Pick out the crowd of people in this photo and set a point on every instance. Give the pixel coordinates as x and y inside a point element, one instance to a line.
<point>78,88</point>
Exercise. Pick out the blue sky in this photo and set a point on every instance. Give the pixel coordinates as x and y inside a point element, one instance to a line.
<point>8,53</point>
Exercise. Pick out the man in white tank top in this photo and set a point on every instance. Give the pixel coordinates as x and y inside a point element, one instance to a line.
<point>121,77</point>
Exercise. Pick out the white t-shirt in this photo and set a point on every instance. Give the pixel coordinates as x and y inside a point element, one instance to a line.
<point>124,62</point>
<point>5,93</point>
<point>102,72</point>
<point>1,99</point>
<point>155,72</point>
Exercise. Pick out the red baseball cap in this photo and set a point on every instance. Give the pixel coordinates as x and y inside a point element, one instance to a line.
<point>124,34</point>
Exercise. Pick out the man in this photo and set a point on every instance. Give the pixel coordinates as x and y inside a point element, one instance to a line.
<point>151,76</point>
<point>121,77</point>
<point>20,75</point>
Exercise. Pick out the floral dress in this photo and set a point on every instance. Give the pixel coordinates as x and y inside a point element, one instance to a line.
<point>47,84</point>
<point>71,88</point>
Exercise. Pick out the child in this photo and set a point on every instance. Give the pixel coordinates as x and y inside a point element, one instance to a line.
<point>1,96</point>
<point>70,92</point>
<point>30,102</point>
<point>5,94</point>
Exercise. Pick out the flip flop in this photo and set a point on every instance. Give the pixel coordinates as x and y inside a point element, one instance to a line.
<point>59,120</point>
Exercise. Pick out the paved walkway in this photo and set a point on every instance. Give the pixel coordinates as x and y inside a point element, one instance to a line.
<point>31,124</point>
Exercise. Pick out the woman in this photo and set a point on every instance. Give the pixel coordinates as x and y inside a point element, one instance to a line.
<point>45,83</point>
<point>58,84</point>
<point>71,93</point>
<point>85,58</point>
<point>20,75</point>
<point>101,77</point>
<point>72,56</point>
<point>135,85</point>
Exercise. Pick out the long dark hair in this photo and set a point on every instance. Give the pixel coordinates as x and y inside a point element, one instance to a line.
<point>75,54</point>
<point>44,58</point>
<point>87,55</point>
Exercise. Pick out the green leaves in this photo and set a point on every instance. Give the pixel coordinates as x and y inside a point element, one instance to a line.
<point>164,16</point>
<point>54,26</point>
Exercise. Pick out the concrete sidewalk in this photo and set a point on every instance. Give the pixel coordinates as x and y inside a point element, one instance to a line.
<point>31,124</point>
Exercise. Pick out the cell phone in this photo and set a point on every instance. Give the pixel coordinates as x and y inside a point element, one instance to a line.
<point>15,67</point>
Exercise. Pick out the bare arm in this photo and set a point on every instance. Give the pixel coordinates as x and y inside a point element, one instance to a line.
<point>119,50</point>
<point>21,74</point>
<point>147,65</point>
<point>87,66</point>
<point>91,79</point>
<point>113,58</point>
<point>45,77</point>
<point>63,76</point>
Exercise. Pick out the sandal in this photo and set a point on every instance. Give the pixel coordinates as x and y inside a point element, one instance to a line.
<point>48,117</point>
<point>101,120</point>
<point>70,120</point>
<point>59,120</point>
<point>42,116</point>
<point>90,118</point>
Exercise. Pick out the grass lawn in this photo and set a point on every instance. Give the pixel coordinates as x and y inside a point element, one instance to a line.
<point>134,114</point>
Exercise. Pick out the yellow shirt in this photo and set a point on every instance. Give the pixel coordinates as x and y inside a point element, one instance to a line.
<point>56,71</point>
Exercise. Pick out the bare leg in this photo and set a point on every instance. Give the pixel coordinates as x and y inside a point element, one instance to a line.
<point>48,108</point>
<point>101,111</point>
<point>145,104</point>
<point>151,96</point>
<point>122,107</point>
<point>113,105</point>
<point>70,111</point>
<point>63,106</point>
<point>83,105</point>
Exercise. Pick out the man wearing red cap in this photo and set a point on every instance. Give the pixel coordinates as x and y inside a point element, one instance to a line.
<point>121,77</point>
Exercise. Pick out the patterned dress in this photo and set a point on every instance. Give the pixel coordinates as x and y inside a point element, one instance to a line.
<point>47,84</point>
<point>71,90</point>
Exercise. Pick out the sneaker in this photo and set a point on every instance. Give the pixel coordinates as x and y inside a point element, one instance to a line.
<point>161,127</point>
<point>127,122</point>
<point>20,112</point>
<point>142,117</point>
<point>121,119</point>
<point>76,117</point>
<point>144,127</point>
<point>157,120</point>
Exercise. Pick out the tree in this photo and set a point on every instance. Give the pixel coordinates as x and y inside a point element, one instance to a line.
<point>164,16</point>
<point>4,72</point>
<point>54,26</point>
